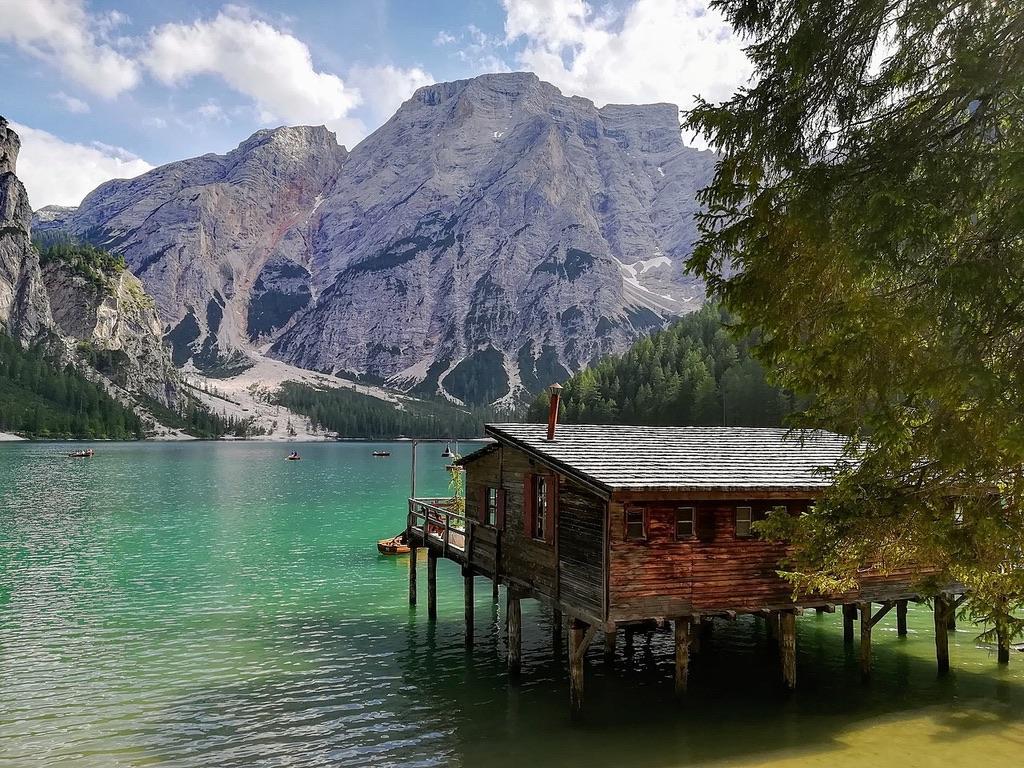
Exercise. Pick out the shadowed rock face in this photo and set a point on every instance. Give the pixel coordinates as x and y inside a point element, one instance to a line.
<point>24,311</point>
<point>494,235</point>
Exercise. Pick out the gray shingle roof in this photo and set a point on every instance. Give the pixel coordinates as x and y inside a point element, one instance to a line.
<point>683,458</point>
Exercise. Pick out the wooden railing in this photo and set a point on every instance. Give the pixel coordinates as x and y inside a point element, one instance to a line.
<point>436,520</point>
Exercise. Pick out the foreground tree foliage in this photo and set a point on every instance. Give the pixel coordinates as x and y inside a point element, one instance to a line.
<point>694,372</point>
<point>866,219</point>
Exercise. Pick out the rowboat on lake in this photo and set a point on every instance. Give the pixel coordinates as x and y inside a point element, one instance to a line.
<point>396,545</point>
<point>86,454</point>
<point>381,454</point>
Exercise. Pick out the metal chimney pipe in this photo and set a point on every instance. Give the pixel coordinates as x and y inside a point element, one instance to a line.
<point>556,394</point>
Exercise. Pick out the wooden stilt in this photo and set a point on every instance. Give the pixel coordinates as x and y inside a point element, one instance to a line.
<point>950,617</point>
<point>820,610</point>
<point>412,573</point>
<point>557,633</point>
<point>695,637</point>
<point>494,591</point>
<point>865,640</point>
<point>787,648</point>
<point>772,622</point>
<point>849,614</point>
<point>901,618</point>
<point>467,577</point>
<point>580,635</point>
<point>514,616</point>
<point>609,646</point>
<point>431,584</point>
<point>707,631</point>
<point>1003,642</point>
<point>941,636</point>
<point>682,654</point>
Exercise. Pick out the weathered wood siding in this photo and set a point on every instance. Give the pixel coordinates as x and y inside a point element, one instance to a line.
<point>712,571</point>
<point>580,535</point>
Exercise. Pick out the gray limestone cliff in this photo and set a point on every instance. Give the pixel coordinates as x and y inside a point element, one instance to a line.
<point>493,236</point>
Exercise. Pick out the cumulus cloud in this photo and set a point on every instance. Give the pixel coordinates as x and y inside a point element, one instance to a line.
<point>272,67</point>
<point>56,172</point>
<point>384,88</point>
<point>655,50</point>
<point>59,32</point>
<point>72,104</point>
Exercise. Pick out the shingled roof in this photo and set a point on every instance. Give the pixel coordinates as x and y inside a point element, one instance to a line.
<point>618,458</point>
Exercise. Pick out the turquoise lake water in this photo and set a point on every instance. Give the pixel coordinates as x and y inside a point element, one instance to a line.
<point>209,604</point>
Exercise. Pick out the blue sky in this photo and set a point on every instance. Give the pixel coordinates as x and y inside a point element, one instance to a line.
<point>104,88</point>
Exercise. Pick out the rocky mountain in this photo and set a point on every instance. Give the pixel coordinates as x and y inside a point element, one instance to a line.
<point>24,309</point>
<point>490,238</point>
<point>84,310</point>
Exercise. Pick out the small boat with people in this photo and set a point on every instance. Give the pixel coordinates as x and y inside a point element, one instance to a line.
<point>396,545</point>
<point>382,454</point>
<point>87,453</point>
<point>293,456</point>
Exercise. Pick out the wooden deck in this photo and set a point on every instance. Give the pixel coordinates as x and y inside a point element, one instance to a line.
<point>433,523</point>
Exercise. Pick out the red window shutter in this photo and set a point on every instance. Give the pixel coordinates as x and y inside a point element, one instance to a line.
<point>528,504</point>
<point>552,521</point>
<point>500,516</point>
<point>706,524</point>
<point>481,498</point>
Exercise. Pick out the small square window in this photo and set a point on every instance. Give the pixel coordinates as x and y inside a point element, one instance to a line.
<point>635,524</point>
<point>684,522</point>
<point>491,516</point>
<point>744,516</point>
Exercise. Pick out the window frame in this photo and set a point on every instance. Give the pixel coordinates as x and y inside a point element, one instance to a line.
<point>692,521</point>
<point>749,521</point>
<point>643,523</point>
<point>541,513</point>
<point>491,506</point>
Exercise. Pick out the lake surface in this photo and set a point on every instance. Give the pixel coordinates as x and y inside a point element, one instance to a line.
<point>208,604</point>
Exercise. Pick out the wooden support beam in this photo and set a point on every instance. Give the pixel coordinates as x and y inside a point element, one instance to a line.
<point>865,640</point>
<point>580,636</point>
<point>901,618</point>
<point>682,637</point>
<point>787,648</point>
<point>412,572</point>
<point>494,591</point>
<point>849,614</point>
<point>609,646</point>
<point>431,584</point>
<point>1003,643</point>
<point>467,577</point>
<point>886,607</point>
<point>557,631</point>
<point>514,617</point>
<point>941,634</point>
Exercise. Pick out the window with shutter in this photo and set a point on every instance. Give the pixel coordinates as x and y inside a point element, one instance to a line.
<point>491,506</point>
<point>540,507</point>
<point>635,529</point>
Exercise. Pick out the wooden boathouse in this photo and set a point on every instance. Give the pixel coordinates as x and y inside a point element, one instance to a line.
<point>623,528</point>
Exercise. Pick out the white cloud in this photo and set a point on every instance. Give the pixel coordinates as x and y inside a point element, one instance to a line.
<point>384,88</point>
<point>72,104</point>
<point>59,32</point>
<point>443,38</point>
<point>656,50</point>
<point>56,172</point>
<point>272,67</point>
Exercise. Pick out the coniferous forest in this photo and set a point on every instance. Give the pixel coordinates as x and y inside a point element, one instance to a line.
<point>40,400</point>
<point>694,372</point>
<point>352,414</point>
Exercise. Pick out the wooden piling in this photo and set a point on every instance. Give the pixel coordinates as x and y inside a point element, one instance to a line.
<point>514,616</point>
<point>682,636</point>
<point>467,578</point>
<point>849,614</point>
<point>494,589</point>
<point>901,618</point>
<point>431,584</point>
<point>941,634</point>
<point>865,640</point>
<point>787,648</point>
<point>412,573</point>
<point>609,646</point>
<point>580,635</point>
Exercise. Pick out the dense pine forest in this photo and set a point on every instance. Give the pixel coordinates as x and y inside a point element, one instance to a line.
<point>40,400</point>
<point>694,372</point>
<point>351,414</point>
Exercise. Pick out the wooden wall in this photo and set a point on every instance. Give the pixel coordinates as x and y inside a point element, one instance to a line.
<point>569,569</point>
